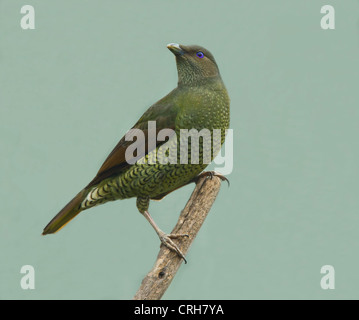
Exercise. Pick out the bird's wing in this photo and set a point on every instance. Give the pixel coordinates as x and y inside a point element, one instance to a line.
<point>164,113</point>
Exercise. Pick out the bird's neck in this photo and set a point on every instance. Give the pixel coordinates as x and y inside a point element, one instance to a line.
<point>215,82</point>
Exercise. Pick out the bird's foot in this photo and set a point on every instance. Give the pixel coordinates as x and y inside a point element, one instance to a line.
<point>166,239</point>
<point>211,174</point>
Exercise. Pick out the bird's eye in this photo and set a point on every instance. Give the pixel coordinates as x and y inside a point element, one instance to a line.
<point>200,54</point>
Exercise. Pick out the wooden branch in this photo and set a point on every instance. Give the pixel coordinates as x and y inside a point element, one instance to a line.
<point>157,281</point>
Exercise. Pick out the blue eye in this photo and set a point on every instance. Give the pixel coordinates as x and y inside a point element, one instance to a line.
<point>200,54</point>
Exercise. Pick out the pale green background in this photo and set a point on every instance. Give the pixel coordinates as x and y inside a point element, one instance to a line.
<point>71,88</point>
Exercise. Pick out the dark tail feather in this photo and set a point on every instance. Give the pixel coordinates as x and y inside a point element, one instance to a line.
<point>70,211</point>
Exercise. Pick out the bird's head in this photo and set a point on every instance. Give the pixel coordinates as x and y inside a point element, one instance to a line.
<point>195,64</point>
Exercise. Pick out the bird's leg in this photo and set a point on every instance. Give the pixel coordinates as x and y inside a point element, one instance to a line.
<point>210,174</point>
<point>166,239</point>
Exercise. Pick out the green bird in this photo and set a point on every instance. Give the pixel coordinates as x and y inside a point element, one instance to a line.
<point>200,101</point>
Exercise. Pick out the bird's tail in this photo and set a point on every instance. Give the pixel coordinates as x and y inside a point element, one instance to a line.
<point>70,211</point>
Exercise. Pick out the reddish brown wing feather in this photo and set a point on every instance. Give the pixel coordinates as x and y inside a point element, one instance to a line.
<point>163,113</point>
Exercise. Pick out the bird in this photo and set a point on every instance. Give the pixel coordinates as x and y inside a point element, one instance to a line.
<point>200,101</point>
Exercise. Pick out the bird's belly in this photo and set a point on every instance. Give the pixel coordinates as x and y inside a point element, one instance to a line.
<point>152,180</point>
<point>175,176</point>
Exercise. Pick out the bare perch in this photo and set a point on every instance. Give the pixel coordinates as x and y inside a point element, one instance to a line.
<point>157,281</point>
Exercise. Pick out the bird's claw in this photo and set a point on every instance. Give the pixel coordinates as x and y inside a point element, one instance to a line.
<point>166,239</point>
<point>212,174</point>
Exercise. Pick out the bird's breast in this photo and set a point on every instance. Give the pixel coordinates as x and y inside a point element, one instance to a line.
<point>204,108</point>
